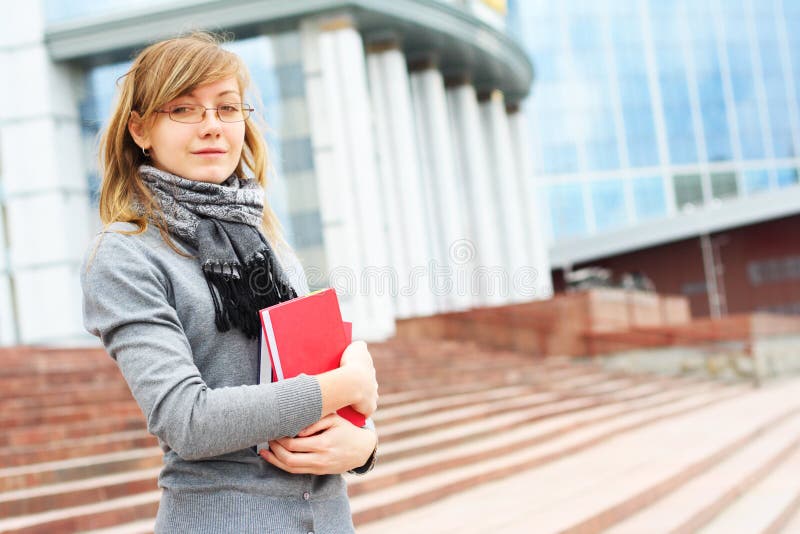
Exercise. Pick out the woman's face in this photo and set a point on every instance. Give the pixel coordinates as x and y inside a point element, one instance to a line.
<point>208,151</point>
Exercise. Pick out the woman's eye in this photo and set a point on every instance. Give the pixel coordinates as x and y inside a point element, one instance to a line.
<point>182,109</point>
<point>228,108</point>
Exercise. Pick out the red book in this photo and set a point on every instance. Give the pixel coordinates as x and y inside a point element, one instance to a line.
<point>305,335</point>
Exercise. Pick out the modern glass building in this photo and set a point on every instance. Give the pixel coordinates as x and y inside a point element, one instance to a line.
<point>654,121</point>
<point>645,109</point>
<point>401,169</point>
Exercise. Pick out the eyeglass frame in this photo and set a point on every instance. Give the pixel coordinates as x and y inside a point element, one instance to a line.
<point>245,107</point>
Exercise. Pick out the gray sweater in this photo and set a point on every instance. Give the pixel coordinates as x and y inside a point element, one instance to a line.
<point>199,393</point>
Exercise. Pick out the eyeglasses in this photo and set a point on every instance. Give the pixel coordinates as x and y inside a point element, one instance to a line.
<point>193,114</point>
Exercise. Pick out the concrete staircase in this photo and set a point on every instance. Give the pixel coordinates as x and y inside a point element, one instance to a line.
<point>601,449</point>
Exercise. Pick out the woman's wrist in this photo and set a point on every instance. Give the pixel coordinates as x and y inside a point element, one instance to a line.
<point>369,463</point>
<point>340,387</point>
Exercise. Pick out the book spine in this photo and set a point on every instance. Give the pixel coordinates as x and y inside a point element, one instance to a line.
<point>273,346</point>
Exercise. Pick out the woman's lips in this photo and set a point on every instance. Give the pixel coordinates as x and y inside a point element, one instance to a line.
<point>210,153</point>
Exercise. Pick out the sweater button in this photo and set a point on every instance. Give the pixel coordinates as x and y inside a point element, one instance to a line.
<point>307,496</point>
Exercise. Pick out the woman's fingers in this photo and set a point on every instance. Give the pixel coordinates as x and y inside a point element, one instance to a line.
<point>323,424</point>
<point>275,460</point>
<point>340,447</point>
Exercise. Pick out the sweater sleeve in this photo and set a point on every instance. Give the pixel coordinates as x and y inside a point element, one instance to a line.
<point>125,303</point>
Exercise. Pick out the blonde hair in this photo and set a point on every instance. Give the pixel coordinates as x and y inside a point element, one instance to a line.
<point>161,72</point>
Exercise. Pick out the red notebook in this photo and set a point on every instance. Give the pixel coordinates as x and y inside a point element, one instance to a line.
<point>305,335</point>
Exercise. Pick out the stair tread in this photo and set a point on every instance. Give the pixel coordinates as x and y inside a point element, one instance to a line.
<point>761,504</point>
<point>143,526</point>
<point>539,427</point>
<point>543,450</point>
<point>82,484</point>
<point>84,509</point>
<point>80,461</point>
<point>657,453</point>
<point>793,526</point>
<point>550,488</point>
<point>621,403</point>
<point>701,492</point>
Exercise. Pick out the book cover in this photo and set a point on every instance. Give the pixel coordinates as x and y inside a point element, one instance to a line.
<point>305,335</point>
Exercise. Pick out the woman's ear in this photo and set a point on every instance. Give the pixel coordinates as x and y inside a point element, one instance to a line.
<point>138,131</point>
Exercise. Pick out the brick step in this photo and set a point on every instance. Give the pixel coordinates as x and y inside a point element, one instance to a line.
<point>43,360</point>
<point>445,366</point>
<point>71,395</point>
<point>76,447</point>
<point>76,493</point>
<point>388,400</point>
<point>439,404</point>
<point>504,374</point>
<point>697,502</point>
<point>143,526</point>
<point>36,434</point>
<point>553,419</point>
<point>436,421</point>
<point>791,524</point>
<point>586,490</point>
<point>89,516</point>
<point>56,364</point>
<point>29,476</point>
<point>54,415</point>
<point>427,405</point>
<point>544,442</point>
<point>656,463</point>
<point>768,506</point>
<point>14,386</point>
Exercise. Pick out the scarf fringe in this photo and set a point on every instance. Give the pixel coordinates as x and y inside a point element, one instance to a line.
<point>240,292</point>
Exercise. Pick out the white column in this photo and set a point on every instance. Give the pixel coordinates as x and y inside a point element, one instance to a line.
<point>354,229</point>
<point>43,182</point>
<point>446,210</point>
<point>489,279</point>
<point>538,259</point>
<point>402,194</point>
<point>506,189</point>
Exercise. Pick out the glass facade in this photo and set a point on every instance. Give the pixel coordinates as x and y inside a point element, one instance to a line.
<point>635,99</point>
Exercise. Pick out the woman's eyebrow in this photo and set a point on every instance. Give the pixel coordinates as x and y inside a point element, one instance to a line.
<point>191,93</point>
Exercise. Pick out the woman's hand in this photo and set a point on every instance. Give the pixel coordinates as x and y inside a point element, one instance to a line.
<point>330,446</point>
<point>357,357</point>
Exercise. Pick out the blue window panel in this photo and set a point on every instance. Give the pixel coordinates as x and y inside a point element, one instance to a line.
<point>296,156</point>
<point>306,229</point>
<point>583,32</point>
<point>61,10</point>
<point>560,158</point>
<point>608,201</point>
<point>787,177</point>
<point>755,181</point>
<point>642,152</point>
<point>750,130</point>
<point>774,82</point>
<point>715,120</point>
<point>681,140</point>
<point>649,197</point>
<point>602,155</point>
<point>567,214</point>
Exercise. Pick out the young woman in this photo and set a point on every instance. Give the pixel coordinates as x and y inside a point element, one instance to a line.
<point>170,288</point>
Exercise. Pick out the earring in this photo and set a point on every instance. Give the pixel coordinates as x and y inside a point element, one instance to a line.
<point>145,152</point>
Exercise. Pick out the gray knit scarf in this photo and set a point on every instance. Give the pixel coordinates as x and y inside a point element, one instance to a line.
<point>222,222</point>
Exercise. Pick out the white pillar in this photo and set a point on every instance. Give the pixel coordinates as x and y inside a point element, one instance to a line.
<point>489,279</point>
<point>402,193</point>
<point>506,189</point>
<point>354,229</point>
<point>45,192</point>
<point>445,208</point>
<point>541,285</point>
